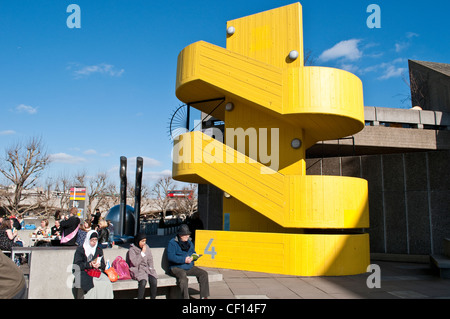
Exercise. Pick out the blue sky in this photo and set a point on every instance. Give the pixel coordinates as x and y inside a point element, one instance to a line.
<point>107,89</point>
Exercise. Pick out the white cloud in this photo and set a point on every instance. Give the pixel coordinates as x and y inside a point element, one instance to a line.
<point>147,176</point>
<point>90,152</point>
<point>154,176</point>
<point>22,108</point>
<point>392,71</point>
<point>350,67</point>
<point>347,50</point>
<point>102,68</point>
<point>106,154</point>
<point>402,45</point>
<point>147,161</point>
<point>131,167</point>
<point>7,132</point>
<point>410,35</point>
<point>66,158</point>
<point>387,69</point>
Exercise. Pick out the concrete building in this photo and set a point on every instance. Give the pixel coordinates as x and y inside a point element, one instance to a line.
<point>403,153</point>
<point>430,85</point>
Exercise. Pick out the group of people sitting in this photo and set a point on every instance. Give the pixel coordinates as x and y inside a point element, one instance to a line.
<point>90,266</point>
<point>73,232</point>
<point>89,262</point>
<point>69,230</point>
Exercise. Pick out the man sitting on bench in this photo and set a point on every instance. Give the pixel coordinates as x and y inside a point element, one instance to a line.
<point>181,263</point>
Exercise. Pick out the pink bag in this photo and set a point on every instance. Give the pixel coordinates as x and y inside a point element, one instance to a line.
<point>121,267</point>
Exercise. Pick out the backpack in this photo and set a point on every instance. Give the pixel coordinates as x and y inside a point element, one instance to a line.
<point>122,269</point>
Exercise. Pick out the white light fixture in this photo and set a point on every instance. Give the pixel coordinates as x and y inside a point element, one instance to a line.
<point>229,106</point>
<point>293,55</point>
<point>230,30</point>
<point>226,195</point>
<point>296,143</point>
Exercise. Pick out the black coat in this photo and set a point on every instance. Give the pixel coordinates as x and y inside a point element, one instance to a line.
<point>103,235</point>
<point>81,264</point>
<point>68,226</point>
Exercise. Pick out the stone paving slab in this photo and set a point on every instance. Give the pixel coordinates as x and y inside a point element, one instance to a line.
<point>399,280</point>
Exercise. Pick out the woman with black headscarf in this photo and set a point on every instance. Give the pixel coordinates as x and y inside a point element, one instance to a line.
<point>142,269</point>
<point>89,264</point>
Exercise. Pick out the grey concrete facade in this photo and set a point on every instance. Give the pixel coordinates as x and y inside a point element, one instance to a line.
<point>409,198</point>
<point>430,85</point>
<point>390,130</point>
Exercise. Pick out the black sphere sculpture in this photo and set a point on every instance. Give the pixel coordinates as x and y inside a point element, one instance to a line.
<point>114,216</point>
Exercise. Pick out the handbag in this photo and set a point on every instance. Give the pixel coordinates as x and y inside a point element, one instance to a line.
<point>121,267</point>
<point>112,274</point>
<point>93,272</point>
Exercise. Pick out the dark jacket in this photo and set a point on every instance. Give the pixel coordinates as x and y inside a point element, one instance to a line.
<point>81,264</point>
<point>103,235</point>
<point>177,256</point>
<point>67,227</point>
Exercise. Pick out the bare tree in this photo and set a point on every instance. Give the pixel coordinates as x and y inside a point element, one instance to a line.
<point>113,193</point>
<point>62,188</point>
<point>159,193</point>
<point>46,199</point>
<point>98,190</point>
<point>22,165</point>
<point>146,203</point>
<point>309,59</point>
<point>188,203</point>
<point>418,89</point>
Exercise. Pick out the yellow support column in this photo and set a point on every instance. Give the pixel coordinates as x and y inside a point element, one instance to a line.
<point>274,109</point>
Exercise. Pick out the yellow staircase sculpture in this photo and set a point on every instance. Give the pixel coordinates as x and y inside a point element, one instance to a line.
<point>279,219</point>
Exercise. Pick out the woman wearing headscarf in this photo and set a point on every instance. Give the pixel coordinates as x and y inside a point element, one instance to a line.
<point>89,264</point>
<point>140,260</point>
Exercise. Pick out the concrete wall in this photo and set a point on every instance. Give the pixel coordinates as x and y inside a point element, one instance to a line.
<point>409,198</point>
<point>433,81</point>
<point>51,271</point>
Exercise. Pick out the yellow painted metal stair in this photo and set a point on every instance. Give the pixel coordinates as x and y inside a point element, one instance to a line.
<point>308,225</point>
<point>296,201</point>
<point>314,98</point>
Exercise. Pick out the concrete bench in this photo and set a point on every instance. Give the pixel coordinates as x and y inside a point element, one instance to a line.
<point>162,269</point>
<point>51,272</point>
<point>441,263</point>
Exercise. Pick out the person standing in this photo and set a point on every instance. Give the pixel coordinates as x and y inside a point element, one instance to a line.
<point>181,263</point>
<point>95,218</point>
<point>70,228</point>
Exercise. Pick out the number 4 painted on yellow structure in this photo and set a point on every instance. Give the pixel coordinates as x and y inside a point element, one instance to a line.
<point>211,252</point>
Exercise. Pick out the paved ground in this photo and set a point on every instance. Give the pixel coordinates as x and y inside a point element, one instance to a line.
<point>398,281</point>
